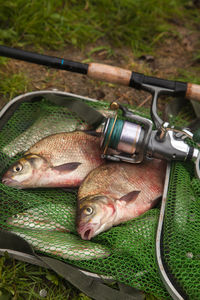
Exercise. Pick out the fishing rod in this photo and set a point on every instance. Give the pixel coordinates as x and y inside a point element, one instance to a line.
<point>107,73</point>
<point>135,140</point>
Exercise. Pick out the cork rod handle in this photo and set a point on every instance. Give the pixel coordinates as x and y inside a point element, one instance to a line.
<point>109,73</point>
<point>193,92</point>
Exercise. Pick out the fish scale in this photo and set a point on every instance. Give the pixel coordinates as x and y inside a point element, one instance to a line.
<point>59,160</point>
<point>117,192</point>
<point>47,216</point>
<point>48,123</point>
<point>57,147</point>
<point>63,244</point>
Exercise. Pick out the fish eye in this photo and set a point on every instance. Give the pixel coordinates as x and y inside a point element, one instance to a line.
<point>17,168</point>
<point>88,211</point>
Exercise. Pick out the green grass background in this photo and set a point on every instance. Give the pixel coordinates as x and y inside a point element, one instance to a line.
<point>54,24</point>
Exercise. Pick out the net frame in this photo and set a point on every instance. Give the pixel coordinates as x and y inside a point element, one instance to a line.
<point>6,113</point>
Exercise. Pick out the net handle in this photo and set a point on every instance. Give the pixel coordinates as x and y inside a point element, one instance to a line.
<point>197,166</point>
<point>92,287</point>
<point>168,282</point>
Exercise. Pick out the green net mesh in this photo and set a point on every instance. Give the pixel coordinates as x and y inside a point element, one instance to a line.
<point>46,217</point>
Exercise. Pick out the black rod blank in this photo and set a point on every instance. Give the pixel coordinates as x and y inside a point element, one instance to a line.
<point>50,61</point>
<point>106,73</point>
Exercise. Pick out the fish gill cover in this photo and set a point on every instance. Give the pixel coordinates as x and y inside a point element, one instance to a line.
<point>125,252</point>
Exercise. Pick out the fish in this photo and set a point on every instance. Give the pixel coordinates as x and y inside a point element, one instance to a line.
<point>44,126</point>
<point>59,160</point>
<point>63,244</point>
<point>117,192</point>
<point>48,216</point>
<point>48,123</point>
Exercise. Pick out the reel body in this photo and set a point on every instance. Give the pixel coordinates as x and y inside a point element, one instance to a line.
<point>133,139</point>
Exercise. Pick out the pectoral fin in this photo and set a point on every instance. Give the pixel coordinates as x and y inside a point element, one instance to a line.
<point>130,197</point>
<point>68,167</point>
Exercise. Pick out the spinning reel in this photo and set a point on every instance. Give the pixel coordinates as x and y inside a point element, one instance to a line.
<point>133,139</point>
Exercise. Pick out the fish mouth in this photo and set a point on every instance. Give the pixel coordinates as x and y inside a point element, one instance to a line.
<point>10,182</point>
<point>86,231</point>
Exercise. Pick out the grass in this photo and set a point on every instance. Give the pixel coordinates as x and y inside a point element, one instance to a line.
<point>19,280</point>
<point>23,281</point>
<point>11,83</point>
<point>42,24</point>
<point>139,24</point>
